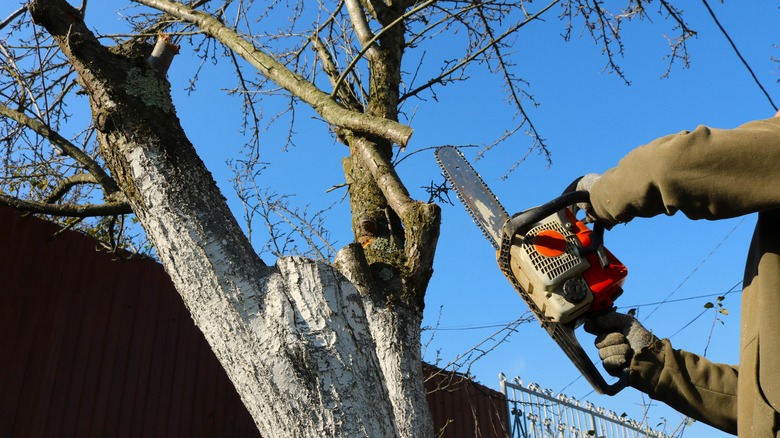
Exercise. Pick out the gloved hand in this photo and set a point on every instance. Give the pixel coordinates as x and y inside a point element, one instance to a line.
<point>583,183</point>
<point>586,181</point>
<point>618,338</point>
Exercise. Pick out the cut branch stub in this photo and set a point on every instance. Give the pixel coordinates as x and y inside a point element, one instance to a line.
<point>162,54</point>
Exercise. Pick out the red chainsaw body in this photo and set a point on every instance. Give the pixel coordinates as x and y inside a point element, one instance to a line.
<point>605,282</point>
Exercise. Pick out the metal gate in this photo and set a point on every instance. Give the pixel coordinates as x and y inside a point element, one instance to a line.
<point>539,413</point>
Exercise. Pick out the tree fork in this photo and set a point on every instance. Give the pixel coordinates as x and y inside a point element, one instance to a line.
<point>397,268</point>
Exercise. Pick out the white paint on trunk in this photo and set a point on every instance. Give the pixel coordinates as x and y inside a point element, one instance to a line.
<point>294,339</point>
<point>396,333</point>
<point>398,348</point>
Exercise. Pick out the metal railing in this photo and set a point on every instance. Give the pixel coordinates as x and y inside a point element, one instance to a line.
<point>539,413</point>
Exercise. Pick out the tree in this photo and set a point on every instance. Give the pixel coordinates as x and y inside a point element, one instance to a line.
<point>313,347</point>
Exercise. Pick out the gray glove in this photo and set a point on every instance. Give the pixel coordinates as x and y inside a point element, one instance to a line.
<point>584,183</point>
<point>618,337</point>
<point>587,181</point>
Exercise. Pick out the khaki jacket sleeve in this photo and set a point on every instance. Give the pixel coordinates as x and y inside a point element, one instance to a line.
<point>689,383</point>
<point>706,173</point>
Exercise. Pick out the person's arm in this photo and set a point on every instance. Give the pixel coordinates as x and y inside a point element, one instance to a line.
<point>691,384</point>
<point>706,173</point>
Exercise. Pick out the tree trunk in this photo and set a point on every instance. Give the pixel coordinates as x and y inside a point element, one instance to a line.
<point>401,236</point>
<point>293,338</point>
<point>396,331</point>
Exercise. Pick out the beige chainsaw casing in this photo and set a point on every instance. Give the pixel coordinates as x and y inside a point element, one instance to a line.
<point>542,274</point>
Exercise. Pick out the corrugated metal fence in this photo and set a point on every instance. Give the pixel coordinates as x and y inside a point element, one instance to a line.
<point>462,408</point>
<point>95,346</point>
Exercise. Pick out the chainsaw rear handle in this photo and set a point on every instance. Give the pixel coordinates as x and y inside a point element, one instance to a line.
<point>564,335</point>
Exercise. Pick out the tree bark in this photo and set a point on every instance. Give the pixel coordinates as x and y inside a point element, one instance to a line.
<point>293,338</point>
<point>401,241</point>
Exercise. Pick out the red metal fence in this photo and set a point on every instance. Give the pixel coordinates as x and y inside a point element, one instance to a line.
<point>462,408</point>
<point>97,346</point>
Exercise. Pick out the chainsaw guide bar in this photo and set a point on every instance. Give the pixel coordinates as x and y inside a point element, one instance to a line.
<point>481,204</point>
<point>500,229</point>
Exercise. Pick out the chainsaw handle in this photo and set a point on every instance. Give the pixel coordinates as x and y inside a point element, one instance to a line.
<point>602,387</point>
<point>618,386</point>
<point>520,221</point>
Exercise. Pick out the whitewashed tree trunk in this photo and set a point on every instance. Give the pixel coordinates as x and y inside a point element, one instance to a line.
<point>294,339</point>
<point>396,333</point>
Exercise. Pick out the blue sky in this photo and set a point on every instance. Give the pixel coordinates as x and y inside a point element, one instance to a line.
<point>590,119</point>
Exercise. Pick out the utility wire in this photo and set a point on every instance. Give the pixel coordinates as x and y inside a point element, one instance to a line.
<point>681,299</point>
<point>487,325</point>
<point>733,289</point>
<point>474,327</point>
<point>666,300</point>
<point>730,291</point>
<point>741,58</point>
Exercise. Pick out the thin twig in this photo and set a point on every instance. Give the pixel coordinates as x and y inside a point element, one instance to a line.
<point>479,52</point>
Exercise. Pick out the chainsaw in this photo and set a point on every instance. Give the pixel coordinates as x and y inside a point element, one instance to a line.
<point>557,264</point>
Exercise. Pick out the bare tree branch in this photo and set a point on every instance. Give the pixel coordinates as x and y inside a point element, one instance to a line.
<point>65,185</point>
<point>13,16</point>
<point>360,24</point>
<point>108,209</point>
<point>328,108</point>
<point>101,177</point>
<point>346,95</point>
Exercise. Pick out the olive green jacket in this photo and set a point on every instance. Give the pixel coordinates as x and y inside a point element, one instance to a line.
<point>712,174</point>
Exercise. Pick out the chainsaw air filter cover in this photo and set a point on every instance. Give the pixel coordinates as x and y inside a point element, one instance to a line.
<point>548,261</point>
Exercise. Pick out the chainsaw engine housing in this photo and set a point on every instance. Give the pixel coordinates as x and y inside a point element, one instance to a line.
<point>558,264</point>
